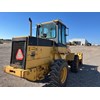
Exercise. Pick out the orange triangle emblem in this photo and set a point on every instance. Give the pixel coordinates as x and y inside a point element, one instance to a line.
<point>19,55</point>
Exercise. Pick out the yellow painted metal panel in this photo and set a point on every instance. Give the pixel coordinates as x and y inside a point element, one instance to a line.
<point>80,55</point>
<point>15,71</point>
<point>70,56</point>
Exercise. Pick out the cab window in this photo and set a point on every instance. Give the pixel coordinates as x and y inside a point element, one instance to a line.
<point>61,34</point>
<point>48,29</point>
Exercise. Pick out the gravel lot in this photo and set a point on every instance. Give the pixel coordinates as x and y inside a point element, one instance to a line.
<point>88,76</point>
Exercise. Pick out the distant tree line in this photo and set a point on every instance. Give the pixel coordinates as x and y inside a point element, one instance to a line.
<point>5,41</point>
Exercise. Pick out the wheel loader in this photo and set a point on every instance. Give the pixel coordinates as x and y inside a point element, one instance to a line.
<point>34,58</point>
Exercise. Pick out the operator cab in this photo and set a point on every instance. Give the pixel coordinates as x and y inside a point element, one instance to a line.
<point>54,30</point>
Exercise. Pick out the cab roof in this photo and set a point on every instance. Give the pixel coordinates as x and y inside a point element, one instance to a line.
<point>55,21</point>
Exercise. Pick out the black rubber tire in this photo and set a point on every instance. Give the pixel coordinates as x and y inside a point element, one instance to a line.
<point>81,62</point>
<point>55,72</point>
<point>75,64</point>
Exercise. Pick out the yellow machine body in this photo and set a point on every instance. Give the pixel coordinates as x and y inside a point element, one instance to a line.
<point>39,54</point>
<point>38,67</point>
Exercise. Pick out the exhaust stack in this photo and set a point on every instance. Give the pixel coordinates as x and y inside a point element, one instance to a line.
<point>30,26</point>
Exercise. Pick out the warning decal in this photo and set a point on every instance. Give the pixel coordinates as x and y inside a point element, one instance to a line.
<point>19,55</point>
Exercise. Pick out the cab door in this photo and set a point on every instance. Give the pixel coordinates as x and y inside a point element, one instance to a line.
<point>61,34</point>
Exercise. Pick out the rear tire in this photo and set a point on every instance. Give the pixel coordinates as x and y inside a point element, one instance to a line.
<point>75,64</point>
<point>59,73</point>
<point>81,62</point>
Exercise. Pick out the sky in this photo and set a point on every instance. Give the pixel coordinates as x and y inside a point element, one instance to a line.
<point>81,24</point>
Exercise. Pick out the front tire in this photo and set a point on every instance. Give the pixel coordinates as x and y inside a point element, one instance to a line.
<point>75,64</point>
<point>59,73</point>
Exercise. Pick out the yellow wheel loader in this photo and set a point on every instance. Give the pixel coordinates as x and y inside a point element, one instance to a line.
<point>33,58</point>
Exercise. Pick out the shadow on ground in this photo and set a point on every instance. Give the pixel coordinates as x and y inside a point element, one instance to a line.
<point>88,76</point>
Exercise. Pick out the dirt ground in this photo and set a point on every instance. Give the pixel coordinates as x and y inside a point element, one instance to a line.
<point>88,75</point>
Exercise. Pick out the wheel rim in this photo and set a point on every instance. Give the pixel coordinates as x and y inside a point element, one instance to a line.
<point>63,75</point>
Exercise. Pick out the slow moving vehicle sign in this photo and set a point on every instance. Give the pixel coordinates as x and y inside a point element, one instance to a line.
<point>19,55</point>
